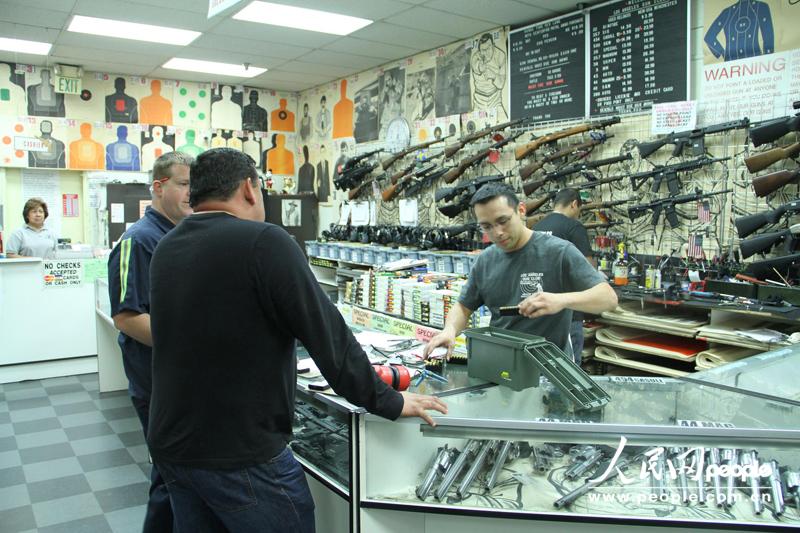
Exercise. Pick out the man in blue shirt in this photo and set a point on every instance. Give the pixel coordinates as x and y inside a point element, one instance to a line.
<point>129,290</point>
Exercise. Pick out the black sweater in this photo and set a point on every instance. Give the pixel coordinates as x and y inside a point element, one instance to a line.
<point>228,299</point>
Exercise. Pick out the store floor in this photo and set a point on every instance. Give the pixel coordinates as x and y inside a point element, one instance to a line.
<point>71,459</point>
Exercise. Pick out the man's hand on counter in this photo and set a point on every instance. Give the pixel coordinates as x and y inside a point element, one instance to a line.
<point>444,339</point>
<point>420,404</point>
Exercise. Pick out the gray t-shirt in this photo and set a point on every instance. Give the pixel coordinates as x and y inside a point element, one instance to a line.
<point>544,264</point>
<point>32,243</point>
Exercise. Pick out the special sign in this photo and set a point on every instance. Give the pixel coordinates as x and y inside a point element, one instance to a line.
<point>63,273</point>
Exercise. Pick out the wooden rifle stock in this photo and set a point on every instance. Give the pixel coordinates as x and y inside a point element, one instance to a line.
<point>532,186</point>
<point>531,206</point>
<point>531,221</point>
<point>762,160</point>
<point>402,173</point>
<point>457,171</point>
<point>528,148</point>
<point>390,192</point>
<point>386,163</point>
<point>526,171</point>
<point>769,183</point>
<point>451,150</point>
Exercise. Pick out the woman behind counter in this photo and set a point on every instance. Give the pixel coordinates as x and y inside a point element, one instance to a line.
<point>33,239</point>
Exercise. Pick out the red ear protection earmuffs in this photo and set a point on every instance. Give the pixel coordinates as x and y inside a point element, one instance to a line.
<point>396,376</point>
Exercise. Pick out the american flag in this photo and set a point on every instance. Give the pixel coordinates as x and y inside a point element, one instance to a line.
<point>703,211</point>
<point>695,246</point>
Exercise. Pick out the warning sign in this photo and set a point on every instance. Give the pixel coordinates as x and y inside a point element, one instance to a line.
<point>65,273</point>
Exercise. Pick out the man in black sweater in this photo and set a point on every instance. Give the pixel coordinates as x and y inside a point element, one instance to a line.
<point>229,296</point>
<point>564,223</point>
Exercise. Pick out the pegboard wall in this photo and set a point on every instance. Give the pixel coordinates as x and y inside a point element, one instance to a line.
<point>715,233</point>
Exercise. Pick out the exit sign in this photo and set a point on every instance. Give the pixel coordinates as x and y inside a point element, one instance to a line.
<point>68,85</point>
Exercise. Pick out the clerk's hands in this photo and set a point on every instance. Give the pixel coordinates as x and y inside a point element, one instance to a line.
<point>420,404</point>
<point>541,304</point>
<point>445,338</point>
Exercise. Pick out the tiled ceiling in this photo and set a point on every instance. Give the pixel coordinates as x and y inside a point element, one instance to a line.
<point>296,59</point>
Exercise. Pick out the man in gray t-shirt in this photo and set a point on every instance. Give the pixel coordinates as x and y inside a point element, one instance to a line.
<point>546,277</point>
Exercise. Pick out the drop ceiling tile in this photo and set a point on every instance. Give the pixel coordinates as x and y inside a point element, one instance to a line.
<point>144,14</point>
<point>238,44</point>
<point>557,6</point>
<point>434,21</point>
<point>285,86</point>
<point>275,34</point>
<point>401,36</point>
<point>351,45</point>
<point>372,10</point>
<point>225,56</point>
<point>500,12</point>
<point>32,16</point>
<point>183,5</point>
<point>313,79</point>
<point>316,68</point>
<point>111,68</point>
<point>31,33</point>
<point>55,5</point>
<point>341,59</point>
<point>81,55</point>
<point>25,59</point>
<point>97,42</point>
<point>194,76</point>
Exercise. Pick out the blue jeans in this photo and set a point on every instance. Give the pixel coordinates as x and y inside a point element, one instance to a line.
<point>576,338</point>
<point>158,518</point>
<point>265,498</point>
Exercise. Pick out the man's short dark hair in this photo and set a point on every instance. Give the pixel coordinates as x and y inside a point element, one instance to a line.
<point>162,168</point>
<point>216,174</point>
<point>490,191</point>
<point>565,197</point>
<point>484,38</point>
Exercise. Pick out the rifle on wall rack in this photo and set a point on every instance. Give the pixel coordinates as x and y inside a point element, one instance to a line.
<point>769,183</point>
<point>670,173</point>
<point>450,151</point>
<point>667,206</point>
<point>772,130</point>
<point>764,242</point>
<point>462,193</point>
<point>458,170</point>
<point>528,148</point>
<point>693,141</point>
<point>758,162</point>
<point>530,187</point>
<point>581,150</point>
<point>751,223</point>
<point>386,163</point>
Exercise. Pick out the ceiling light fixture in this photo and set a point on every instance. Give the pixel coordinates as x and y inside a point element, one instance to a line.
<point>212,67</point>
<point>24,47</point>
<point>301,18</point>
<point>132,30</point>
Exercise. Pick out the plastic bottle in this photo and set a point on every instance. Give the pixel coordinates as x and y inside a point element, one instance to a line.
<point>620,267</point>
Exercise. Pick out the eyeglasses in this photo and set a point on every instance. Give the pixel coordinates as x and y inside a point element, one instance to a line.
<point>501,222</point>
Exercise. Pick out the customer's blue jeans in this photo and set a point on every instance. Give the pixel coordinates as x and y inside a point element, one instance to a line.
<point>158,518</point>
<point>265,498</point>
<point>576,338</point>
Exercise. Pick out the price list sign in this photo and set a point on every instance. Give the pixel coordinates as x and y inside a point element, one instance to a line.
<point>548,69</point>
<point>639,55</point>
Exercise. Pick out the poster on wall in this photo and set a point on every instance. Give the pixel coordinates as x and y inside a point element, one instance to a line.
<point>12,91</point>
<point>488,66</point>
<point>194,142</point>
<point>751,59</point>
<point>226,107</point>
<point>155,141</point>
<point>343,113</point>
<point>365,114</point>
<point>43,100</point>
<point>391,88</point>
<point>87,148</point>
<point>453,68</point>
<point>420,87</point>
<point>191,105</point>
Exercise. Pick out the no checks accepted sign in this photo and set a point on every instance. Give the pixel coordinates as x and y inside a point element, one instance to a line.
<point>63,273</point>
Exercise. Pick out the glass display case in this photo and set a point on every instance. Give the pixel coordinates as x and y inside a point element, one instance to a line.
<point>660,453</point>
<point>774,373</point>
